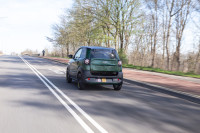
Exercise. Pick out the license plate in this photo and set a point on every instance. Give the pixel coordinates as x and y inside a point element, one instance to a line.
<point>98,80</point>
<point>103,79</point>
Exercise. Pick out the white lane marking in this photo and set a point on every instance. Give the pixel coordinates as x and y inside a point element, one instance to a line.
<point>82,123</point>
<point>100,128</point>
<point>56,71</point>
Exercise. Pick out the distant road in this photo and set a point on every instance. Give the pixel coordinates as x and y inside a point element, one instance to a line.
<point>34,98</point>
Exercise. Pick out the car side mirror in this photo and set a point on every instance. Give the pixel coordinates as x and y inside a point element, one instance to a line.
<point>70,56</point>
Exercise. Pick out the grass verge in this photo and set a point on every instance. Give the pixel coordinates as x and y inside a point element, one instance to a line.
<point>188,74</point>
<point>59,57</point>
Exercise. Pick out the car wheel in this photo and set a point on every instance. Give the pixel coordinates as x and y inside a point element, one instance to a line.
<point>80,84</point>
<point>117,87</point>
<point>68,78</point>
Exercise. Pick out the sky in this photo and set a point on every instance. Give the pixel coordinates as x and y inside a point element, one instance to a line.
<point>24,24</point>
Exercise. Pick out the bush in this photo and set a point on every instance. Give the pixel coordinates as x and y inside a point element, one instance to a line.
<point>123,56</point>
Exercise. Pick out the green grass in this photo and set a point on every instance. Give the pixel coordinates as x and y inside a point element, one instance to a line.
<point>59,57</point>
<point>188,74</point>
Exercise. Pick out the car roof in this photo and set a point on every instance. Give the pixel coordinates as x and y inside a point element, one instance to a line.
<point>96,47</point>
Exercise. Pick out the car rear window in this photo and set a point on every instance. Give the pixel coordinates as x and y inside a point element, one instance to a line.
<point>104,54</point>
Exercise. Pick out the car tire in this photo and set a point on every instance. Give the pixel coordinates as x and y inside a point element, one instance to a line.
<point>80,84</point>
<point>117,87</point>
<point>68,78</point>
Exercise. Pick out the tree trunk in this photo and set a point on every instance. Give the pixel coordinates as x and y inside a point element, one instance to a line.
<point>121,41</point>
<point>154,52</point>
<point>167,43</point>
<point>67,49</point>
<point>62,51</point>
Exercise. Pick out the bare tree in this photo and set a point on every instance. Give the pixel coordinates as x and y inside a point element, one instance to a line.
<point>170,4</point>
<point>148,28</point>
<point>153,6</point>
<point>197,62</point>
<point>181,20</point>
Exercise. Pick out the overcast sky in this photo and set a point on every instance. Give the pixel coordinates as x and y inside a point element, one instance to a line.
<point>25,23</point>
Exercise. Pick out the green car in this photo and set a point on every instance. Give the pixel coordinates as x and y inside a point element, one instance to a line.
<point>95,65</point>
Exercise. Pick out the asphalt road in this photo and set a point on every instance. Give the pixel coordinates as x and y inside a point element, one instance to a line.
<point>34,98</point>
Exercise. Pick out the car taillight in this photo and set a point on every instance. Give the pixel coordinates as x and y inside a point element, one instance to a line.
<point>87,61</point>
<point>119,63</point>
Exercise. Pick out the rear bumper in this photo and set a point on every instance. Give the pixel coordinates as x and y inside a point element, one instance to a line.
<point>88,78</point>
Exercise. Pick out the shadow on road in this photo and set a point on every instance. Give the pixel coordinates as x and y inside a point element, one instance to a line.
<point>133,109</point>
<point>133,104</point>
